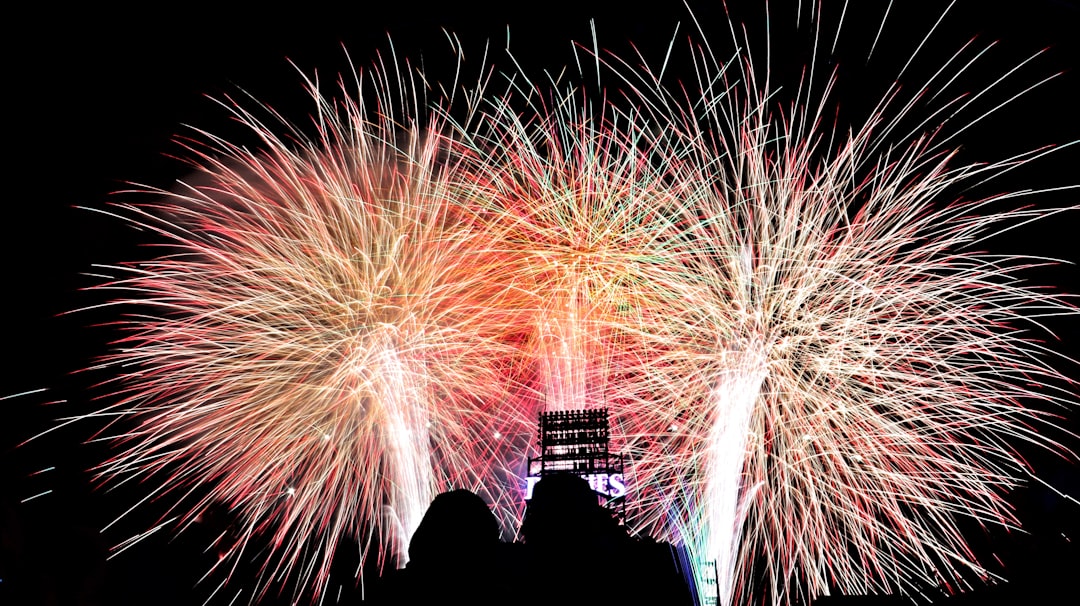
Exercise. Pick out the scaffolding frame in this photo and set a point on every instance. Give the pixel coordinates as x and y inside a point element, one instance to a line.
<point>578,442</point>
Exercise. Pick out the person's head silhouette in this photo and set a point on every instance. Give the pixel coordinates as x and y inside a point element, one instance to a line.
<point>457,522</point>
<point>565,510</point>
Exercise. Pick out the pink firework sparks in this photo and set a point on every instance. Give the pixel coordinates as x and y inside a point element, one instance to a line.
<point>317,347</point>
<point>848,375</point>
<point>814,369</point>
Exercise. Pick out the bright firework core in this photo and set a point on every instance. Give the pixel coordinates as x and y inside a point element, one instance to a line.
<point>809,365</point>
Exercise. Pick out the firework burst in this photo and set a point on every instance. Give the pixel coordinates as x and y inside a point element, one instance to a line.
<point>315,347</point>
<point>850,374</point>
<point>575,209</point>
<point>812,366</point>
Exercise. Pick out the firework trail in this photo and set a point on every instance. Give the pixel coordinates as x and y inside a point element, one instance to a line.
<point>810,363</point>
<point>315,345</point>
<point>852,375</point>
<point>812,369</point>
<point>574,209</point>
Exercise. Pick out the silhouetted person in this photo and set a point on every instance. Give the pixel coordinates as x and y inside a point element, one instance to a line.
<point>455,557</point>
<point>457,523</point>
<point>578,553</point>
<point>565,512</point>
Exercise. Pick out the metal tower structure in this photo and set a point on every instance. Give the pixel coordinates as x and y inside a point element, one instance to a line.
<point>577,442</point>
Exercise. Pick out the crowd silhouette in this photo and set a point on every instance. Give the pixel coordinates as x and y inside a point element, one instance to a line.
<point>572,551</point>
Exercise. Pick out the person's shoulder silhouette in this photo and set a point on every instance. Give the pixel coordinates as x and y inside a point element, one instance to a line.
<point>565,512</point>
<point>573,544</point>
<point>455,557</point>
<point>457,523</point>
<point>579,553</point>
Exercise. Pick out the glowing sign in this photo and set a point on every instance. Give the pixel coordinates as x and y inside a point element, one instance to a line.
<point>611,486</point>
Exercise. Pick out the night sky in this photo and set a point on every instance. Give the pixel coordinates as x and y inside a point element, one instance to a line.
<point>95,98</point>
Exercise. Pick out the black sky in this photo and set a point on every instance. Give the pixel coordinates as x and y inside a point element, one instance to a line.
<point>94,98</point>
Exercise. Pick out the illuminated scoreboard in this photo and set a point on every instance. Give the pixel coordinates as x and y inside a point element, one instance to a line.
<point>577,442</point>
<point>612,486</point>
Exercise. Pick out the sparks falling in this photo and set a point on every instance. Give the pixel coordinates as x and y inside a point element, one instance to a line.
<point>312,346</point>
<point>813,365</point>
